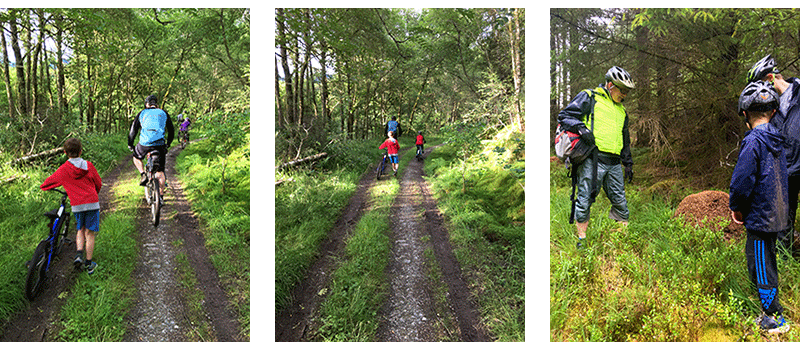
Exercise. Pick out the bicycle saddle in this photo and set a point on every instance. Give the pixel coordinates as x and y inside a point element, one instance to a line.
<point>53,214</point>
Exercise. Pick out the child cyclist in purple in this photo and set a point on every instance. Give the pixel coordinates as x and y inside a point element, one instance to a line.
<point>184,130</point>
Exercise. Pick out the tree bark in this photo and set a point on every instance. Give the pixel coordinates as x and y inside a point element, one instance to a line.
<point>516,63</point>
<point>287,75</point>
<point>7,75</point>
<point>20,64</point>
<point>60,81</point>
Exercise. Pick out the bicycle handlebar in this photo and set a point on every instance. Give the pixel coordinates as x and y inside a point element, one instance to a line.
<point>57,190</point>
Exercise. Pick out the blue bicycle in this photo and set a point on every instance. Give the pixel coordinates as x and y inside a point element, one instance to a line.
<point>382,165</point>
<point>48,248</point>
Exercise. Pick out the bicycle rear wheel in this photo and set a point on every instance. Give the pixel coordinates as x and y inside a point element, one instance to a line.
<point>155,201</point>
<point>37,270</point>
<point>381,166</point>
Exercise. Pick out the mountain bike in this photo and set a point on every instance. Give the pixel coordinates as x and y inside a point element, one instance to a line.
<point>420,152</point>
<point>382,165</point>
<point>151,192</point>
<point>48,248</point>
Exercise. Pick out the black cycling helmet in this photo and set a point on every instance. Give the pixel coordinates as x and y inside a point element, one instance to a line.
<point>763,67</point>
<point>758,96</point>
<point>620,78</point>
<point>151,100</point>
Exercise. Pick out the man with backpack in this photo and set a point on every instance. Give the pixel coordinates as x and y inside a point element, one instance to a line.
<point>599,117</point>
<point>393,125</point>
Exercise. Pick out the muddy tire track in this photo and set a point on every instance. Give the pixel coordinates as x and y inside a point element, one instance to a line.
<point>159,313</point>
<point>296,320</point>
<point>408,313</point>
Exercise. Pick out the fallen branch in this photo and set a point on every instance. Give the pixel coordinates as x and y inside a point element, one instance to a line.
<point>299,161</point>
<point>31,157</point>
<point>284,180</point>
<point>13,178</point>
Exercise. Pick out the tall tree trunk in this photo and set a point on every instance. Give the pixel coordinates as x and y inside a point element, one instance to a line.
<point>287,75</point>
<point>324,79</point>
<point>7,75</point>
<point>516,62</point>
<point>90,111</point>
<point>279,112</point>
<point>28,54</point>
<point>34,75</point>
<point>20,64</point>
<point>60,81</point>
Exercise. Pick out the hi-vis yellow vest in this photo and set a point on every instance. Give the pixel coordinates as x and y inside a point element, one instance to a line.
<point>609,119</point>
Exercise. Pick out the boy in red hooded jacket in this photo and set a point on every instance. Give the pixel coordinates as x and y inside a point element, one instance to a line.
<point>82,184</point>
<point>393,149</point>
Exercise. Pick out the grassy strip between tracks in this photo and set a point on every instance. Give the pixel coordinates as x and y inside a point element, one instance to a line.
<point>359,286</point>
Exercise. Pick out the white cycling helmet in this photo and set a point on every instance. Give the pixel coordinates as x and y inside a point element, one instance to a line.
<point>620,78</point>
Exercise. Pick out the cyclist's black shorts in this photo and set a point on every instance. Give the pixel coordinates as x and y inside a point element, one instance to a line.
<point>140,152</point>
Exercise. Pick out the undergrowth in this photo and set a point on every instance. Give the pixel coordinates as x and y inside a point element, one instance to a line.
<point>654,280</point>
<point>487,226</point>
<point>21,223</point>
<point>218,186</point>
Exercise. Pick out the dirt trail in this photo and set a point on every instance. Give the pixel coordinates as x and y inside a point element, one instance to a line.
<point>408,314</point>
<point>158,314</point>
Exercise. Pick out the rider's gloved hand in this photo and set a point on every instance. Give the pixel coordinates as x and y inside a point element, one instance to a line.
<point>586,135</point>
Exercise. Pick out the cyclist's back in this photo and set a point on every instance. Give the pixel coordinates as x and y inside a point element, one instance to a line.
<point>154,123</point>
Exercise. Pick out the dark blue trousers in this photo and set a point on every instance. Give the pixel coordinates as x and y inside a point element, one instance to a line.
<point>763,268</point>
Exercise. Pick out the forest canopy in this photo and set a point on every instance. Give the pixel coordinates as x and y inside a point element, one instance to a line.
<point>689,66</point>
<point>341,74</point>
<point>67,71</point>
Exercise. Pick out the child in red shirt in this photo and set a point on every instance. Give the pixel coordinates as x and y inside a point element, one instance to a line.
<point>420,142</point>
<point>393,148</point>
<point>82,184</point>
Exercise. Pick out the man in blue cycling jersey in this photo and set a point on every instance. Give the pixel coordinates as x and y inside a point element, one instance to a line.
<point>153,122</point>
<point>393,125</point>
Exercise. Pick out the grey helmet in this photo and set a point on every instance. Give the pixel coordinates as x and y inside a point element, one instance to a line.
<point>761,68</point>
<point>620,78</point>
<point>758,96</point>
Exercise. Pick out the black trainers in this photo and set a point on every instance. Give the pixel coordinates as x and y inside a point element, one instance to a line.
<point>143,181</point>
<point>773,324</point>
<point>90,267</point>
<point>78,262</point>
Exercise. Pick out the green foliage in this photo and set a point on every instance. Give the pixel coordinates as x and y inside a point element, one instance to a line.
<point>654,280</point>
<point>487,230</point>
<point>220,197</point>
<point>297,238</point>
<point>98,305</point>
<point>358,287</point>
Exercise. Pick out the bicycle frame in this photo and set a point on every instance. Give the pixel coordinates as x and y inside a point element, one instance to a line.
<point>55,227</point>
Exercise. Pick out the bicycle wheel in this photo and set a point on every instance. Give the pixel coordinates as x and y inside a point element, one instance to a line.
<point>37,270</point>
<point>381,166</point>
<point>155,201</point>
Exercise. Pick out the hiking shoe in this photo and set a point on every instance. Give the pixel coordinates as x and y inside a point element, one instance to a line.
<point>143,181</point>
<point>78,262</point>
<point>90,267</point>
<point>773,324</point>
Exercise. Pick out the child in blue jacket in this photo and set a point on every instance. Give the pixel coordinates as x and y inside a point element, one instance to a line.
<point>759,197</point>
